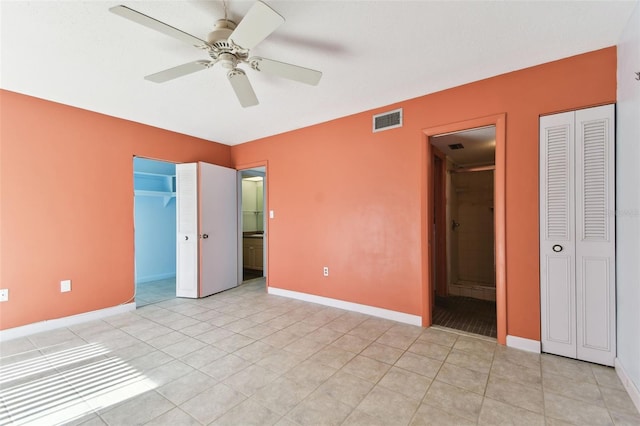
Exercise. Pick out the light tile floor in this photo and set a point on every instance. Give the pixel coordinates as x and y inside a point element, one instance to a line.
<point>155,291</point>
<point>243,357</point>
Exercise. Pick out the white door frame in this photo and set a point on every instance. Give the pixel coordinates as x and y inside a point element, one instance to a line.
<point>260,169</point>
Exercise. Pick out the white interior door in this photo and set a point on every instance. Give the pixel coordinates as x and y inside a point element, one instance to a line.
<point>595,243</point>
<point>218,229</point>
<point>187,230</point>
<point>557,235</point>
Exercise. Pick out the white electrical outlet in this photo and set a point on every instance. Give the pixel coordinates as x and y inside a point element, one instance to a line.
<point>4,294</point>
<point>325,271</point>
<point>272,214</point>
<point>65,286</point>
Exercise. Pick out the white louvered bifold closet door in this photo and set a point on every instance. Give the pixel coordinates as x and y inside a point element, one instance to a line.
<point>577,247</point>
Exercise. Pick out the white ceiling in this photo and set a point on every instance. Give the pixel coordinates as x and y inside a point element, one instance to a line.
<point>372,53</point>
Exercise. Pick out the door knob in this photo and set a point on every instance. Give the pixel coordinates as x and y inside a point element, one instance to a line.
<point>557,248</point>
<point>205,236</point>
<point>186,237</point>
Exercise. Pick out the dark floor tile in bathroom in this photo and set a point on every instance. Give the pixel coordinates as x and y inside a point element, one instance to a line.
<point>466,314</point>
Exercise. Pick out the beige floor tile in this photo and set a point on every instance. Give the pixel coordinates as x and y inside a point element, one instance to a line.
<point>618,401</point>
<point>396,340</point>
<point>203,356</point>
<point>304,347</point>
<point>347,322</point>
<point>607,377</point>
<point>319,409</point>
<point>224,367</point>
<point>406,383</point>
<point>573,411</point>
<point>280,361</point>
<point>310,372</point>
<point>233,343</point>
<point>259,331</point>
<point>360,418</point>
<point>428,415</point>
<point>252,378</point>
<point>475,345</point>
<point>168,372</point>
<point>517,373</point>
<point>351,343</point>
<point>554,366</point>
<point>283,394</point>
<point>183,347</point>
<point>167,339</point>
<point>255,351</point>
<point>280,339</point>
<point>366,368</point>
<point>624,419</point>
<point>138,410</point>
<point>172,418</point>
<point>215,335</point>
<point>517,357</point>
<point>212,403</point>
<point>583,391</point>
<point>332,356</point>
<point>498,413</point>
<point>239,325</point>
<point>419,364</point>
<point>186,387</point>
<point>346,388</point>
<point>368,330</point>
<point>383,353</point>
<point>324,335</point>
<point>301,329</point>
<point>463,378</point>
<point>440,337</point>
<point>453,400</point>
<point>388,406</point>
<point>248,413</point>
<point>516,394</point>
<point>477,361</point>
<point>429,349</point>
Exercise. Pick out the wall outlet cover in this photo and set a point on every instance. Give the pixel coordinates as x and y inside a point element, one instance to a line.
<point>4,295</point>
<point>65,286</point>
<point>325,271</point>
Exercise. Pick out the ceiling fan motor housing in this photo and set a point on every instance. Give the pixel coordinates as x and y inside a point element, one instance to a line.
<point>219,43</point>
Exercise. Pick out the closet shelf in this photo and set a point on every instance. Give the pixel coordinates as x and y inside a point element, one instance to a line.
<point>166,196</point>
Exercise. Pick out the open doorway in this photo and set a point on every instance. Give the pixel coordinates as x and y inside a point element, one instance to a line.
<point>155,230</point>
<point>253,223</point>
<point>464,261</point>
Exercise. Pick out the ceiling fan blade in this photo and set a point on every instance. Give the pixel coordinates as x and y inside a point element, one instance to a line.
<point>242,87</point>
<point>154,24</point>
<point>281,69</point>
<point>258,23</point>
<point>179,71</point>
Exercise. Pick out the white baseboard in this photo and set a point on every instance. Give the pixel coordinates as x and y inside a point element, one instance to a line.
<point>155,277</point>
<point>38,327</point>
<point>632,389</point>
<point>523,344</point>
<point>349,306</point>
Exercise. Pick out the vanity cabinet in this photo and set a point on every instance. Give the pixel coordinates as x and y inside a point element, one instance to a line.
<point>252,253</point>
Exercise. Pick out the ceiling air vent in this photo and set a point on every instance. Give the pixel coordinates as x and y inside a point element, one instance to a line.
<point>387,120</point>
<point>456,146</point>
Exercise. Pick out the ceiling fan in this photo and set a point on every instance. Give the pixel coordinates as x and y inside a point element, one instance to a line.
<point>228,44</point>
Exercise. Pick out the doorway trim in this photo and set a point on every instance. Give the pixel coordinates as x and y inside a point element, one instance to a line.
<point>426,195</point>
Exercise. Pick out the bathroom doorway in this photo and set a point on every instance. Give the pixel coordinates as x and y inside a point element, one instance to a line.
<point>464,261</point>
<point>252,221</point>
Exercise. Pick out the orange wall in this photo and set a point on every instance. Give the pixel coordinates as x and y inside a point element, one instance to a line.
<point>350,199</point>
<point>66,182</point>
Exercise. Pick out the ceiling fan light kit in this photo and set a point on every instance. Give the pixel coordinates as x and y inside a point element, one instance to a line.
<point>228,44</point>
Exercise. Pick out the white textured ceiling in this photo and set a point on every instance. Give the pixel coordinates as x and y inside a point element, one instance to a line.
<point>372,53</point>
